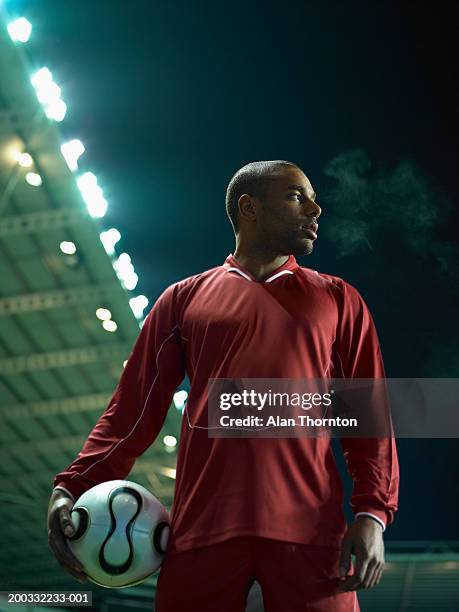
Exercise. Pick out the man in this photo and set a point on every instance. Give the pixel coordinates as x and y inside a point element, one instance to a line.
<point>264,509</point>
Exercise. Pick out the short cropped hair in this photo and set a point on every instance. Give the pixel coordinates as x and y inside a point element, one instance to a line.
<point>253,179</point>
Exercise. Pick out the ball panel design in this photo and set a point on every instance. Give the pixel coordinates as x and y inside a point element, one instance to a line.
<point>81,519</point>
<point>161,537</point>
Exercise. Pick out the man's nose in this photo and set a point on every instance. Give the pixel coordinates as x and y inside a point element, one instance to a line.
<point>313,209</point>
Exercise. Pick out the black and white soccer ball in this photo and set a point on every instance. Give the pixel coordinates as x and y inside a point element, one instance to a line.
<point>121,534</point>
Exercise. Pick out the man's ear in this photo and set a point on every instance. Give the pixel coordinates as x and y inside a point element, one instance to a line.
<point>247,207</point>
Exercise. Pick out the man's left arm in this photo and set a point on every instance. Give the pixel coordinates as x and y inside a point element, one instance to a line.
<point>371,462</point>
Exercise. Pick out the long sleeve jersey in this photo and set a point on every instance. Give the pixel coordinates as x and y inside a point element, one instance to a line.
<point>224,323</point>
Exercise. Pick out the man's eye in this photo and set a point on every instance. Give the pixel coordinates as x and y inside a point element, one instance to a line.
<point>297,195</point>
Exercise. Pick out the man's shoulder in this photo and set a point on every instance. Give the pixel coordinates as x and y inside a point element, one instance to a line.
<point>335,283</point>
<point>321,278</point>
<point>189,283</point>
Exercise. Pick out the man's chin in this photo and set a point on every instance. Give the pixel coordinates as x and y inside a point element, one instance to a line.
<point>306,247</point>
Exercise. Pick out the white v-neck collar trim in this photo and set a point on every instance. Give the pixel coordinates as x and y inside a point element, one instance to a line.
<point>232,269</point>
<point>268,280</point>
<point>232,265</point>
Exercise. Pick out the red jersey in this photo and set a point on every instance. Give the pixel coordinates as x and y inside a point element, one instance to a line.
<point>224,323</point>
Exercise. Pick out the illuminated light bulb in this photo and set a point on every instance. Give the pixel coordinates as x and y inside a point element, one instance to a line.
<point>130,282</point>
<point>68,247</point>
<point>56,110</point>
<point>48,92</point>
<point>24,159</point>
<point>138,305</point>
<point>109,325</point>
<point>123,260</point>
<point>20,30</point>
<point>86,181</point>
<point>180,398</point>
<point>170,441</point>
<point>97,208</point>
<point>109,239</point>
<point>42,78</point>
<point>92,194</point>
<point>71,151</point>
<point>103,314</point>
<point>125,272</point>
<point>33,179</point>
<point>123,266</point>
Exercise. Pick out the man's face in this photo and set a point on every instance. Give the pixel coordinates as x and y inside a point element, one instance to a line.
<point>285,213</point>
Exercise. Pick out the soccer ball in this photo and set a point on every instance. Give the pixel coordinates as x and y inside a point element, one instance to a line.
<point>121,533</point>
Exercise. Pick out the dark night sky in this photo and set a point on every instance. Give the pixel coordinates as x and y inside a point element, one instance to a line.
<point>171,98</point>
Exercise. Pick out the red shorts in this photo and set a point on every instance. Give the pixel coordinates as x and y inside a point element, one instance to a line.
<point>292,577</point>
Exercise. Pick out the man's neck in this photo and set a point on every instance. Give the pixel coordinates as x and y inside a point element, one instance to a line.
<point>259,262</point>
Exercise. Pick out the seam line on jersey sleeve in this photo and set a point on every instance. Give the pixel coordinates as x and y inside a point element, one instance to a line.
<point>141,414</point>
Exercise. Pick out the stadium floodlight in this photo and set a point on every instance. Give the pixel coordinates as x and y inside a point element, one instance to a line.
<point>20,30</point>
<point>170,441</point>
<point>125,272</point>
<point>87,182</point>
<point>42,78</point>
<point>103,314</point>
<point>138,305</point>
<point>33,179</point>
<point>71,151</point>
<point>49,94</point>
<point>109,325</point>
<point>130,282</point>
<point>56,110</point>
<point>180,398</point>
<point>123,266</point>
<point>68,247</point>
<point>109,238</point>
<point>24,159</point>
<point>98,207</point>
<point>92,194</point>
<point>124,262</point>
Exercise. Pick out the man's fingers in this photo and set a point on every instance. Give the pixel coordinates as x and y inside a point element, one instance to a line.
<point>77,575</point>
<point>63,554</point>
<point>345,557</point>
<point>363,578</point>
<point>71,569</point>
<point>67,526</point>
<point>60,525</point>
<point>368,546</point>
<point>360,569</point>
<point>355,581</point>
<point>370,575</point>
<point>379,574</point>
<point>350,584</point>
